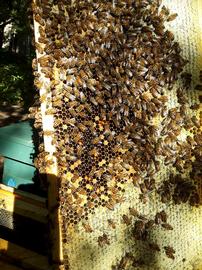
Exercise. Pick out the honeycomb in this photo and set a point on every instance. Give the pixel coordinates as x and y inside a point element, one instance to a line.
<point>126,126</point>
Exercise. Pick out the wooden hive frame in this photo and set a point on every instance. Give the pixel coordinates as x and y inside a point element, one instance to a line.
<point>47,122</point>
<point>32,207</point>
<point>23,203</point>
<point>53,181</point>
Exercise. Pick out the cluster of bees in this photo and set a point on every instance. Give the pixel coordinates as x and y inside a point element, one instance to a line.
<point>129,260</point>
<point>141,227</point>
<point>180,190</point>
<point>141,230</point>
<point>106,67</point>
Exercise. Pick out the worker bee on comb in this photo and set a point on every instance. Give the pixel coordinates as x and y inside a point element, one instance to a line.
<point>169,252</point>
<point>103,240</point>
<point>87,227</point>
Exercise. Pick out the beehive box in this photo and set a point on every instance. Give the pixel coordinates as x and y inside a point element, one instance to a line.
<point>17,148</point>
<point>112,197</point>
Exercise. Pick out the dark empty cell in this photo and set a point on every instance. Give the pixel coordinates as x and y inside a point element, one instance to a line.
<point>106,193</point>
<point>64,240</point>
<point>96,201</point>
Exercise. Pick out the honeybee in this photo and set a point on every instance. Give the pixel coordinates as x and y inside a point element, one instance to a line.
<point>49,162</point>
<point>81,127</point>
<point>69,199</point>
<point>57,122</point>
<point>57,103</point>
<point>94,152</point>
<point>150,224</point>
<point>167,226</point>
<point>96,140</point>
<point>110,204</point>
<point>142,217</point>
<point>79,150</point>
<point>163,216</point>
<point>125,261</point>
<point>34,64</point>
<point>111,223</point>
<point>172,17</point>
<point>47,72</point>
<point>195,121</point>
<point>41,31</point>
<point>70,96</point>
<point>69,150</point>
<point>170,252</point>
<point>91,84</point>
<point>103,240</point>
<point>93,100</point>
<point>72,104</point>
<point>139,230</point>
<point>80,108</point>
<point>100,100</point>
<point>48,132</point>
<point>44,61</point>
<point>133,211</point>
<point>70,121</point>
<point>39,47</point>
<point>127,220</point>
<point>83,74</point>
<point>2,201</point>
<point>38,19</point>
<point>87,227</point>
<point>78,137</point>
<point>78,81</point>
<point>41,147</point>
<point>195,106</point>
<point>72,112</point>
<point>43,98</point>
<point>42,39</point>
<point>82,96</point>
<point>143,188</point>
<point>99,172</point>
<point>158,218</point>
<point>88,107</point>
<point>50,111</point>
<point>194,199</point>
<point>38,83</point>
<point>154,247</point>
